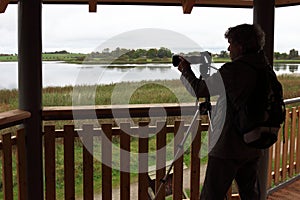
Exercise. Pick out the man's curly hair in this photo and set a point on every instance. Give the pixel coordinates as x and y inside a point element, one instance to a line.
<point>250,37</point>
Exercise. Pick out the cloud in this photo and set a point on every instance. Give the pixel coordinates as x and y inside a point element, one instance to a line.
<point>73,28</point>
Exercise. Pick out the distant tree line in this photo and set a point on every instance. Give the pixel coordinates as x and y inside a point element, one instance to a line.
<point>292,55</point>
<point>154,53</point>
<point>123,53</point>
<point>57,52</point>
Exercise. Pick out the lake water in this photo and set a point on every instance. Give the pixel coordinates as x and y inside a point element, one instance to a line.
<point>63,74</point>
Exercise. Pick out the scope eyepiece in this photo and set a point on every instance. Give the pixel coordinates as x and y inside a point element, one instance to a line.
<point>176,60</point>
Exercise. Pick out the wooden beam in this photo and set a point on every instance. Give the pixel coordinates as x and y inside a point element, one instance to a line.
<point>187,6</point>
<point>13,117</point>
<point>281,3</point>
<point>92,5</point>
<point>3,5</point>
<point>210,3</point>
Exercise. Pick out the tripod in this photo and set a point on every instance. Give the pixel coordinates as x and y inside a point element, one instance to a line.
<point>204,109</point>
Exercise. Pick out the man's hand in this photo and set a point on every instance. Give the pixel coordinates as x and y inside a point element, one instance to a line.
<point>184,64</point>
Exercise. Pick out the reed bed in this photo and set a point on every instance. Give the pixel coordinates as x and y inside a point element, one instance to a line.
<point>145,92</point>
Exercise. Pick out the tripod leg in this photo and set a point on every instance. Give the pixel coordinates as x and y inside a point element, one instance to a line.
<point>179,148</point>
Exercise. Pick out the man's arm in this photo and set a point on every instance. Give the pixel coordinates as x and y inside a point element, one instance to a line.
<point>196,86</point>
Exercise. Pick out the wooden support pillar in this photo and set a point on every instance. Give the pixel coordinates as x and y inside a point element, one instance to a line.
<point>30,90</point>
<point>263,14</point>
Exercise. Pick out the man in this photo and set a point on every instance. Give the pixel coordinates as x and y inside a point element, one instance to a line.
<point>229,157</point>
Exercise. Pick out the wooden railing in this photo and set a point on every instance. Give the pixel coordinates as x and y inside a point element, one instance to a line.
<point>284,156</point>
<point>89,135</point>
<point>145,134</point>
<point>283,163</point>
<point>9,153</point>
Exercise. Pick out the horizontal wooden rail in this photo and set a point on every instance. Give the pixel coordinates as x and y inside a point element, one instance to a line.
<point>13,117</point>
<point>117,111</point>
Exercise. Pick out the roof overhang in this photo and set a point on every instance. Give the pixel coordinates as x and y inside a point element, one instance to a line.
<point>186,4</point>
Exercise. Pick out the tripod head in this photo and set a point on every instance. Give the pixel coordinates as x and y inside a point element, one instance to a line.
<point>205,107</point>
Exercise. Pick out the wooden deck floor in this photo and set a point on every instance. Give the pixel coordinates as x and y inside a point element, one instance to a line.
<point>287,191</point>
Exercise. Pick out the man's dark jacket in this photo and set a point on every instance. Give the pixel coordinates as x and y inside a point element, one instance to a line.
<point>233,84</point>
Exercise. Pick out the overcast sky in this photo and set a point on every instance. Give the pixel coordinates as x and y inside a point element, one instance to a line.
<point>74,29</point>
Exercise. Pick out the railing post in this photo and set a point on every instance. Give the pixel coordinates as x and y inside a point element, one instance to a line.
<point>7,173</point>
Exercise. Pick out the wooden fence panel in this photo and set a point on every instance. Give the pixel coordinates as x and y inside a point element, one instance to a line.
<point>7,174</point>
<point>285,145</point>
<point>270,162</point>
<point>161,141</point>
<point>69,167</point>
<point>125,161</point>
<point>292,142</point>
<point>106,145</point>
<point>21,164</point>
<point>88,168</point>
<point>195,162</point>
<point>277,157</point>
<point>143,132</point>
<point>178,164</point>
<point>298,144</point>
<point>50,173</point>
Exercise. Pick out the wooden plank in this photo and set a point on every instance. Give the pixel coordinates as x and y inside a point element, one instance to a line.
<point>106,111</point>
<point>292,142</point>
<point>88,167</point>
<point>213,3</point>
<point>21,164</point>
<point>7,175</point>
<point>270,162</point>
<point>195,162</point>
<point>298,144</point>
<point>3,5</point>
<point>187,6</point>
<point>207,3</point>
<point>161,140</point>
<point>143,160</point>
<point>50,173</point>
<point>106,161</point>
<point>277,157</point>
<point>125,161</point>
<point>69,167</point>
<point>178,164</point>
<point>92,5</point>
<point>13,117</point>
<point>285,145</point>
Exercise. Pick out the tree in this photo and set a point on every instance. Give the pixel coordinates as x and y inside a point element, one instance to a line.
<point>151,53</point>
<point>224,54</point>
<point>140,53</point>
<point>277,55</point>
<point>164,52</point>
<point>293,54</point>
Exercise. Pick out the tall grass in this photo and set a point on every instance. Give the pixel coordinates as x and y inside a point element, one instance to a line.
<point>145,92</point>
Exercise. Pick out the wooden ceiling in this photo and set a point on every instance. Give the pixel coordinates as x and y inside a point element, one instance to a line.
<point>187,5</point>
